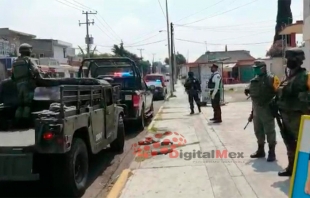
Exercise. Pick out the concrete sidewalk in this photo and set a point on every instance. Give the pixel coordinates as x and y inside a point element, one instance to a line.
<point>185,175</point>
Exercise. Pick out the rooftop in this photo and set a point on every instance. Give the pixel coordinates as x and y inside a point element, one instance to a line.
<point>16,32</point>
<point>233,56</point>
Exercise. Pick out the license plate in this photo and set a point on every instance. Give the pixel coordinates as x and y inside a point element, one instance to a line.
<point>128,97</point>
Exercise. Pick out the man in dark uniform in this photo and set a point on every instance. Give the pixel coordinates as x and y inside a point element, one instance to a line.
<point>292,101</point>
<point>24,72</point>
<point>215,86</point>
<point>193,88</point>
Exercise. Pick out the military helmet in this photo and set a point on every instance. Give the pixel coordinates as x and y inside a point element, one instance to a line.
<point>296,54</point>
<point>25,47</point>
<point>259,64</point>
<point>190,73</point>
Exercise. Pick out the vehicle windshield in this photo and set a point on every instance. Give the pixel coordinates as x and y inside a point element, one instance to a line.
<point>126,83</point>
<point>153,78</point>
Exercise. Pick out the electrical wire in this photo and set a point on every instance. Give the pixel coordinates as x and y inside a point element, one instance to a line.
<point>232,38</point>
<point>115,38</point>
<point>200,10</point>
<point>161,7</point>
<point>145,43</point>
<point>225,43</point>
<point>145,39</point>
<point>104,32</point>
<point>221,13</point>
<point>76,8</point>
<point>109,27</point>
<point>75,5</point>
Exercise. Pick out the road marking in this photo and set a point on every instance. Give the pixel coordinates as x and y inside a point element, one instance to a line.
<point>120,184</point>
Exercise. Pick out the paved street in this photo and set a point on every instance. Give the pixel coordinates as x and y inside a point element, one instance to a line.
<point>188,175</point>
<point>105,166</point>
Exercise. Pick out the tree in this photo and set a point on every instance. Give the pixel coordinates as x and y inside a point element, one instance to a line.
<point>179,58</point>
<point>144,66</point>
<point>93,53</point>
<point>284,18</point>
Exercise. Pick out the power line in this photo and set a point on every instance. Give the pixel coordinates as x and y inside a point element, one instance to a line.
<point>146,43</point>
<point>105,32</point>
<point>145,39</point>
<point>201,10</point>
<point>203,43</point>
<point>129,46</point>
<point>76,8</point>
<point>86,7</point>
<point>110,27</point>
<point>221,13</point>
<point>161,7</point>
<point>75,5</point>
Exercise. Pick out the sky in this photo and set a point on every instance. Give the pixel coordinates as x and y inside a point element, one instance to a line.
<point>199,25</point>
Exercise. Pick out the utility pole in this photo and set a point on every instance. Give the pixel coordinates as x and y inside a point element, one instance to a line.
<point>173,55</point>
<point>89,40</point>
<point>153,66</point>
<point>141,60</point>
<point>169,51</point>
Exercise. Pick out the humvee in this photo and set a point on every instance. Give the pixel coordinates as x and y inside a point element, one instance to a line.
<point>73,118</point>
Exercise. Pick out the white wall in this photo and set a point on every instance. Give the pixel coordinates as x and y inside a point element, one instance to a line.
<point>59,54</point>
<point>277,68</point>
<point>306,34</point>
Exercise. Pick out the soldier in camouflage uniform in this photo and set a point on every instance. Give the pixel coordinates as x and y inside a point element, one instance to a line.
<point>24,72</point>
<point>292,101</point>
<point>262,90</point>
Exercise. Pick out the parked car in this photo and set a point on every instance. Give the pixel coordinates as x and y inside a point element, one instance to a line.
<point>158,82</point>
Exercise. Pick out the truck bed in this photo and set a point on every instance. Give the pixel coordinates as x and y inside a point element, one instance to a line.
<point>18,138</point>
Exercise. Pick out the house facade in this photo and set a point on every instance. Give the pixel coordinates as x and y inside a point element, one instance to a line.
<point>236,65</point>
<point>50,48</point>
<point>10,41</point>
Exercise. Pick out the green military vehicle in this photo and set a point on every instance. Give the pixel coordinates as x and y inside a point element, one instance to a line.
<point>73,118</point>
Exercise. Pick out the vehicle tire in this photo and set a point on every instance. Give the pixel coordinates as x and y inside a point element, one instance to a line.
<point>141,120</point>
<point>73,170</point>
<point>118,144</point>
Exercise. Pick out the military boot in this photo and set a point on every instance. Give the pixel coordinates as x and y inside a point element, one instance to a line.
<point>199,109</point>
<point>287,172</point>
<point>271,153</point>
<point>192,112</point>
<point>260,153</point>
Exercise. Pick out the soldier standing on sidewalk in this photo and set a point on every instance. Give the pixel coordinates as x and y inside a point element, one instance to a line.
<point>193,88</point>
<point>292,100</point>
<point>262,90</point>
<point>215,84</point>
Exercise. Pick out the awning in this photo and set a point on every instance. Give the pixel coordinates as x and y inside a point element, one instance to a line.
<point>296,28</point>
<point>228,67</point>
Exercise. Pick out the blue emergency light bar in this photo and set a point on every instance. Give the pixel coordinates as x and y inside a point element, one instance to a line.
<point>122,74</point>
<point>158,80</point>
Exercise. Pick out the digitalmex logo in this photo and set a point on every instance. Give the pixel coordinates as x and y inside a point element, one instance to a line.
<point>160,144</point>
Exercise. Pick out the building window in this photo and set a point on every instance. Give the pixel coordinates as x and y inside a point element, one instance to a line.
<point>41,55</point>
<point>64,51</point>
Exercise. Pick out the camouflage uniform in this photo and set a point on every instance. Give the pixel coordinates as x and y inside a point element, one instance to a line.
<point>292,101</point>
<point>262,90</point>
<point>24,71</point>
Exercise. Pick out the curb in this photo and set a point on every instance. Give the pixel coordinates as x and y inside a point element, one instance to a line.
<point>121,181</point>
<point>151,125</point>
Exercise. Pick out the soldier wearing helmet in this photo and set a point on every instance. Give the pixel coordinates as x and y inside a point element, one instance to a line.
<point>24,73</point>
<point>193,88</point>
<point>262,90</point>
<point>292,102</point>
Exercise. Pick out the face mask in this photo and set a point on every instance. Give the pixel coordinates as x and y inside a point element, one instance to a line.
<point>257,71</point>
<point>291,64</point>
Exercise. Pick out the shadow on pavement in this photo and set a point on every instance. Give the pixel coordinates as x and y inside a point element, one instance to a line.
<point>284,186</point>
<point>261,165</point>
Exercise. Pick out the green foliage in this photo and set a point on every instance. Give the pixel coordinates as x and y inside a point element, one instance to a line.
<point>120,51</point>
<point>93,53</point>
<point>179,58</point>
